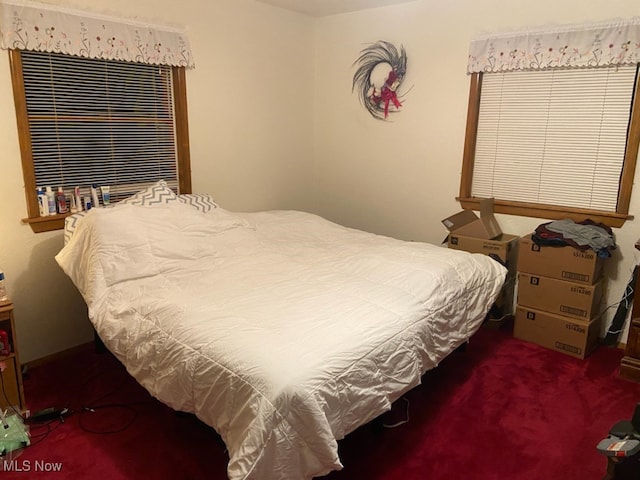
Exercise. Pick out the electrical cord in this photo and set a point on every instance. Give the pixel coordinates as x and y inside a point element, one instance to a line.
<point>400,422</point>
<point>124,406</point>
<point>91,407</point>
<point>6,397</point>
<point>37,436</point>
<point>628,293</point>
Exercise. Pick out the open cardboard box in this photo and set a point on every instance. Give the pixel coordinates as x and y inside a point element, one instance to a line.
<point>467,223</point>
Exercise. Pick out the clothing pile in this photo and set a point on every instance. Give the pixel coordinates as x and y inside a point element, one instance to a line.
<point>583,235</point>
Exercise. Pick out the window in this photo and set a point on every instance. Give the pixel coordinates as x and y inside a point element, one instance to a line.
<point>553,123</point>
<point>83,121</point>
<point>554,143</point>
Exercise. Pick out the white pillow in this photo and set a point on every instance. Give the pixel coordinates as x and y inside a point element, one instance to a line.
<point>133,241</point>
<point>157,194</point>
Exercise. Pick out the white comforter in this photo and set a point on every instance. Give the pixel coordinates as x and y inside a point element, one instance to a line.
<point>282,330</point>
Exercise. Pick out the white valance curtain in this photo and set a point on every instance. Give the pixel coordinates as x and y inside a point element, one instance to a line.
<point>589,45</point>
<point>26,25</point>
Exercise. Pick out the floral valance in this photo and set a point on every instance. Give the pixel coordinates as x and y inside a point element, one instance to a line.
<point>591,45</point>
<point>26,25</point>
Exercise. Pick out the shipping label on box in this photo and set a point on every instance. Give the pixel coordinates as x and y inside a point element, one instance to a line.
<point>570,336</point>
<point>564,263</point>
<point>504,247</point>
<point>558,296</point>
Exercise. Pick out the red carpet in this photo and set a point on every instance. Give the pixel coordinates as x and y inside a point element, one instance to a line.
<point>504,409</point>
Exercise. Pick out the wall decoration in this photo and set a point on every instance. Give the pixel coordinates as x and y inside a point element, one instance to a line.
<point>381,70</point>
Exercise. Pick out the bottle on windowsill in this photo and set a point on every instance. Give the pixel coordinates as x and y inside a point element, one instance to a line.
<point>3,288</point>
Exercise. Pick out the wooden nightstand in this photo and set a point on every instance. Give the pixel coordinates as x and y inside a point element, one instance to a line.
<point>12,374</point>
<point>630,363</point>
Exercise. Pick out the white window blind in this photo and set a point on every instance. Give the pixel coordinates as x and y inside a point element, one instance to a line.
<point>99,121</point>
<point>554,137</point>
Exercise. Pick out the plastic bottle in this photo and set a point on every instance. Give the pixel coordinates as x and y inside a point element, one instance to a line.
<point>72,204</point>
<point>94,196</point>
<point>51,201</point>
<point>5,347</point>
<point>3,288</point>
<point>43,205</point>
<point>61,201</point>
<point>106,195</point>
<point>76,193</point>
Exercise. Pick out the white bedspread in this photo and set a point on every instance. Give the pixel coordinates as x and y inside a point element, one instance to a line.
<point>281,330</point>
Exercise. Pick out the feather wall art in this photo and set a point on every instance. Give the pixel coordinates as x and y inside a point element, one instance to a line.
<point>381,68</point>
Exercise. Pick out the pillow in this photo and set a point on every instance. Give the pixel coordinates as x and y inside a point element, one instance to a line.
<point>131,242</point>
<point>200,201</point>
<point>157,194</point>
<point>71,223</point>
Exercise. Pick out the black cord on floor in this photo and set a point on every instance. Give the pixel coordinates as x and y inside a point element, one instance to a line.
<point>93,406</point>
<point>30,432</point>
<point>4,394</point>
<point>125,406</point>
<point>81,413</point>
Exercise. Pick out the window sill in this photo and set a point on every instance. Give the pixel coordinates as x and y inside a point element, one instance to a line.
<point>611,219</point>
<point>46,224</point>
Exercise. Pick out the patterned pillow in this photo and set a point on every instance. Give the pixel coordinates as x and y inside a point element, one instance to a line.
<point>157,194</point>
<point>70,224</point>
<point>200,201</point>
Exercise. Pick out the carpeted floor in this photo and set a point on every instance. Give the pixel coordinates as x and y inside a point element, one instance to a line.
<point>504,409</point>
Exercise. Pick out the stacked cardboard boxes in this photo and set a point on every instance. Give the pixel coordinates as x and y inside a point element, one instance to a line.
<point>558,301</point>
<point>483,235</point>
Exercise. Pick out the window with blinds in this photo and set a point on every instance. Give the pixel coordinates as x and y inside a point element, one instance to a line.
<point>98,121</point>
<point>555,139</point>
<point>92,121</point>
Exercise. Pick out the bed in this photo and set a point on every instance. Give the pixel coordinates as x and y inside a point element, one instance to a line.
<point>281,330</point>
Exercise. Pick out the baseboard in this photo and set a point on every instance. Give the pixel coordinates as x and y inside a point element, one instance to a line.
<point>55,356</point>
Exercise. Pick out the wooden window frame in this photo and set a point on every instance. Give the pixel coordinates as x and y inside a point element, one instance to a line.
<point>56,222</point>
<point>612,219</point>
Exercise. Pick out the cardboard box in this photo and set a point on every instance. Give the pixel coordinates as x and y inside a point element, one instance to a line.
<point>505,249</point>
<point>468,224</point>
<point>559,297</point>
<point>577,338</point>
<point>565,263</point>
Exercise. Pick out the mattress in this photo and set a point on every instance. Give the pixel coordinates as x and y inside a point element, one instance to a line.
<point>281,330</point>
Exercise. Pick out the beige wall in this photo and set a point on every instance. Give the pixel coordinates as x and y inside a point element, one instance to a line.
<point>251,117</point>
<point>273,124</point>
<point>401,177</point>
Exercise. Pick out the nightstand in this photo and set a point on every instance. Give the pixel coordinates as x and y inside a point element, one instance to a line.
<point>13,395</point>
